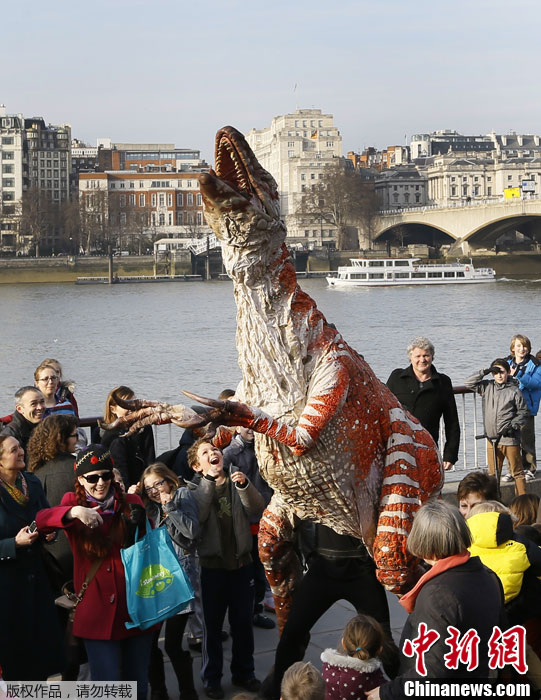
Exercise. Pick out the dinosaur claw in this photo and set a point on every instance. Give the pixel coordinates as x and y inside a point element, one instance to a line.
<point>213,403</point>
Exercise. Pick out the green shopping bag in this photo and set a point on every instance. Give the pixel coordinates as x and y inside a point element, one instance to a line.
<point>156,585</point>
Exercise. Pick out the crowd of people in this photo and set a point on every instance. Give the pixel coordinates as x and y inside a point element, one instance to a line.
<point>69,508</point>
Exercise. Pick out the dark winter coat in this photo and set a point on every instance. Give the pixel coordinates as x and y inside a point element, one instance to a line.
<point>19,428</point>
<point>103,611</point>
<point>30,638</point>
<point>466,596</point>
<point>131,454</point>
<point>428,404</point>
<point>240,456</point>
<point>57,477</point>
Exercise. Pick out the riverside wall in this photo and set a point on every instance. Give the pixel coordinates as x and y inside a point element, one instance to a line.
<point>64,269</point>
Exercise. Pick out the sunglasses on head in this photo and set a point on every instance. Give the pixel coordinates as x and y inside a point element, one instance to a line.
<point>94,478</point>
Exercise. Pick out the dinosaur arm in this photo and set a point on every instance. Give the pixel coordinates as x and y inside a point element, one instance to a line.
<point>327,393</point>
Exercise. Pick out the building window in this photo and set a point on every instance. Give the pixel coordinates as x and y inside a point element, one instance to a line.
<point>162,199</point>
<point>290,144</point>
<point>141,184</point>
<point>122,200</point>
<point>465,190</point>
<point>509,178</point>
<point>141,200</point>
<point>199,200</point>
<point>489,191</point>
<point>303,176</point>
<point>8,155</point>
<point>153,199</point>
<point>170,218</point>
<point>290,154</point>
<point>199,218</point>
<point>179,218</point>
<point>190,199</point>
<point>169,199</point>
<point>180,199</point>
<point>161,221</point>
<point>453,191</point>
<point>132,200</point>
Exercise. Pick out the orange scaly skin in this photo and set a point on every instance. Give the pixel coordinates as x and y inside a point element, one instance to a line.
<point>331,439</point>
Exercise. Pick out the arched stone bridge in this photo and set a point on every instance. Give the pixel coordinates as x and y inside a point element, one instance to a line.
<point>477,224</point>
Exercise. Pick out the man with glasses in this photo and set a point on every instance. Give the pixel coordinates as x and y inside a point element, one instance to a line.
<point>504,413</point>
<point>29,411</point>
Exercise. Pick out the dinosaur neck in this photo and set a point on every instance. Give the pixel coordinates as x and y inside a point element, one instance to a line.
<point>276,327</point>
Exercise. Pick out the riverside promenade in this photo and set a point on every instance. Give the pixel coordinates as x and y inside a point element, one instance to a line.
<point>326,633</point>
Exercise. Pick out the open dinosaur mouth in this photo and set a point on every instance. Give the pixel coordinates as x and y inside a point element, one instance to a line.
<point>230,166</point>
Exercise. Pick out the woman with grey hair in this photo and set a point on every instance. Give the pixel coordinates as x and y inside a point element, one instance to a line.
<point>428,395</point>
<point>457,591</point>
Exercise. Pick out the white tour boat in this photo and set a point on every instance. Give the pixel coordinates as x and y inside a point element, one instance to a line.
<point>378,272</point>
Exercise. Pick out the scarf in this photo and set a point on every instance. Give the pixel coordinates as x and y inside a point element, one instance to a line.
<point>408,600</point>
<point>19,495</point>
<point>107,506</point>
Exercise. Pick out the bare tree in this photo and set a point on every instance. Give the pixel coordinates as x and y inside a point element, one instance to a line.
<point>36,216</point>
<point>343,198</point>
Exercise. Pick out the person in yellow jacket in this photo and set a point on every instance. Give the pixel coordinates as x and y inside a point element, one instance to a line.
<point>517,562</point>
<point>501,549</point>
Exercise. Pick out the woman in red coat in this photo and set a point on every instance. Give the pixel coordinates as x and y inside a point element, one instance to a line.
<point>99,520</point>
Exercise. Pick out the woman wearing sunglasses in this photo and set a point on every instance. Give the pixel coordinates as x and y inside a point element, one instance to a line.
<point>99,519</point>
<point>51,455</point>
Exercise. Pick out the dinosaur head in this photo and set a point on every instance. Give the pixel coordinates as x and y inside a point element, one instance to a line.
<point>240,197</point>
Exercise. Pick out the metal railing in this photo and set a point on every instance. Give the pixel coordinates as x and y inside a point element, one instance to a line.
<point>207,243</point>
<point>472,455</point>
<point>397,211</point>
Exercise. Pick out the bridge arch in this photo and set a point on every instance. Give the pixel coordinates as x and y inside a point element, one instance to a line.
<point>489,231</point>
<point>416,232</point>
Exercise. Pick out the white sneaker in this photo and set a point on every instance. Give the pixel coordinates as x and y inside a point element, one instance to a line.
<point>508,478</point>
<point>529,475</point>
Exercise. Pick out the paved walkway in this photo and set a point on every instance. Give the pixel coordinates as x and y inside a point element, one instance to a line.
<point>325,634</point>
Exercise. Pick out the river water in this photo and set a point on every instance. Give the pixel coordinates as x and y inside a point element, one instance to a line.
<point>162,338</point>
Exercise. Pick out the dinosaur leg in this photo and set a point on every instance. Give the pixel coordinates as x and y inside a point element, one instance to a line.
<point>278,556</point>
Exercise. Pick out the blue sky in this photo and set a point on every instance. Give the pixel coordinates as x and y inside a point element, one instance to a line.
<point>174,72</point>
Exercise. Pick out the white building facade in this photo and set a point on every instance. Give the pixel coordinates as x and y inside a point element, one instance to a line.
<point>295,149</point>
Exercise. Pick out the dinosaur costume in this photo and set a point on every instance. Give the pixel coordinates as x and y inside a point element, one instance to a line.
<point>331,440</point>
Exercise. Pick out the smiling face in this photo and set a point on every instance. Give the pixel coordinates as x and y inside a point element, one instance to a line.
<point>154,485</point>
<point>421,360</point>
<point>100,489</point>
<point>32,405</point>
<point>210,460</point>
<point>520,351</point>
<point>11,455</point>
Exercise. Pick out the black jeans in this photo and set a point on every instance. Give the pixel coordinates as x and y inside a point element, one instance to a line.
<point>326,582</point>
<point>231,591</point>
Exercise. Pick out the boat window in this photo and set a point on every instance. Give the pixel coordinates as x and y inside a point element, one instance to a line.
<point>460,274</point>
<point>418,275</point>
<point>435,274</point>
<point>376,263</point>
<point>389,275</point>
<point>401,263</point>
<point>389,263</point>
<point>376,276</point>
<point>449,274</point>
<point>358,276</point>
<point>402,275</point>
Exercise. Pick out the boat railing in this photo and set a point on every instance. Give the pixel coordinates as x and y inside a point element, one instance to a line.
<point>472,455</point>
